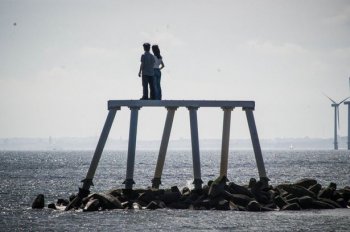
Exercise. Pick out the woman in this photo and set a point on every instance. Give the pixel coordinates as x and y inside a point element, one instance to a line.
<point>158,65</point>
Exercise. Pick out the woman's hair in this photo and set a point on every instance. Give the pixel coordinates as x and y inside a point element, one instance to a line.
<point>156,51</point>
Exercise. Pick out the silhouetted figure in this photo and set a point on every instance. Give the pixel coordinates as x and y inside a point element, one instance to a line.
<point>147,71</point>
<point>158,65</point>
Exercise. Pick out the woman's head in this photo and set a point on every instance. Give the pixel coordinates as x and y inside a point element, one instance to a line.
<point>156,51</point>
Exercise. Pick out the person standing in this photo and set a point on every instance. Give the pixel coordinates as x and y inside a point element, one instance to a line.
<point>147,73</point>
<point>158,65</point>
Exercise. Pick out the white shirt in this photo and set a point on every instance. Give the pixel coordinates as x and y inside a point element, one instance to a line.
<point>157,62</point>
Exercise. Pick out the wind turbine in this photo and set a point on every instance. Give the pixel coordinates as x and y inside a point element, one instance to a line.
<point>336,120</point>
<point>348,103</point>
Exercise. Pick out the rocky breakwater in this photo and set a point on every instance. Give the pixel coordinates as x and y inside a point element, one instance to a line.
<point>216,195</point>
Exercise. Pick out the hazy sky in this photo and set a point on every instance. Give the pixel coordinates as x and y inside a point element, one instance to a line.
<point>60,61</point>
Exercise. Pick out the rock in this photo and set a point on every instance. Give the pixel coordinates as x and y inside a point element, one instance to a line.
<point>254,206</point>
<point>306,182</point>
<point>39,202</point>
<point>107,201</point>
<point>298,191</point>
<point>51,206</point>
<point>331,202</point>
<point>321,205</point>
<point>72,197</point>
<point>252,182</point>
<point>305,202</point>
<point>222,205</point>
<point>136,205</point>
<point>294,206</point>
<point>92,205</point>
<point>344,193</point>
<point>233,206</point>
<point>62,202</point>
<point>185,190</point>
<point>178,205</point>
<point>217,187</point>
<point>326,193</point>
<point>238,189</point>
<point>342,202</point>
<point>115,192</point>
<point>260,195</point>
<point>315,188</point>
<point>238,199</point>
<point>148,196</point>
<point>170,197</point>
<point>293,200</point>
<point>156,205</point>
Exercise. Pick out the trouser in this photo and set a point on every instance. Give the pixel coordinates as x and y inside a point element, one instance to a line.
<point>148,81</point>
<point>158,75</point>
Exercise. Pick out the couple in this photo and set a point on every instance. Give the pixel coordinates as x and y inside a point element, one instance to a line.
<point>150,69</point>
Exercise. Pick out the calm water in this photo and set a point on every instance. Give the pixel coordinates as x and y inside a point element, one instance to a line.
<point>23,175</point>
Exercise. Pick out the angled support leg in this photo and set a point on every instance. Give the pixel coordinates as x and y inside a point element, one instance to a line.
<point>195,148</point>
<point>256,144</point>
<point>225,141</point>
<point>129,181</point>
<point>163,147</point>
<point>87,182</point>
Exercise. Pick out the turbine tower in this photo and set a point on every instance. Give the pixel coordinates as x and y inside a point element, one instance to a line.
<point>348,103</point>
<point>336,120</point>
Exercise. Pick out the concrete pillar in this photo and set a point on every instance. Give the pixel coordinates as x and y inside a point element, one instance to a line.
<point>225,141</point>
<point>163,147</point>
<point>129,181</point>
<point>348,103</point>
<point>195,148</point>
<point>256,144</point>
<point>87,182</point>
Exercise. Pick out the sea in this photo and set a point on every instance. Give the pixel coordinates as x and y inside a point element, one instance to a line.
<point>58,174</point>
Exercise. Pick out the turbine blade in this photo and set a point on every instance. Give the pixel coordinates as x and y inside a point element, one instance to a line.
<point>330,99</point>
<point>343,100</point>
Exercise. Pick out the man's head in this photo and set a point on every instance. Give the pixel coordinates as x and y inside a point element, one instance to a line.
<point>146,47</point>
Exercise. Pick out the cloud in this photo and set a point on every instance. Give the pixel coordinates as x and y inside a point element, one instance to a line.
<point>342,17</point>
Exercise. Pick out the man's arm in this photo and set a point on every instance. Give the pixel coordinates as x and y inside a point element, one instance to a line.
<point>141,66</point>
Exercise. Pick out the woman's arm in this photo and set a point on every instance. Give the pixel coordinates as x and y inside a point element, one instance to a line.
<point>161,64</point>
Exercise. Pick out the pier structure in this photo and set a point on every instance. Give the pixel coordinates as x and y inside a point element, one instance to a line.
<point>348,103</point>
<point>171,106</point>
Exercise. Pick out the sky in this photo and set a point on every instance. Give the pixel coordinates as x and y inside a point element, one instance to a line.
<point>61,61</point>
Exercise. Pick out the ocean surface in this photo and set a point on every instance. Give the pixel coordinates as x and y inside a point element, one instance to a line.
<point>57,174</point>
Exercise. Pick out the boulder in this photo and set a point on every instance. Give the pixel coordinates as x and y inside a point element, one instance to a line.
<point>51,206</point>
<point>306,182</point>
<point>294,206</point>
<point>321,205</point>
<point>92,205</point>
<point>217,187</point>
<point>280,202</point>
<point>156,205</point>
<point>315,188</point>
<point>223,205</point>
<point>238,189</point>
<point>326,193</point>
<point>238,199</point>
<point>331,202</point>
<point>62,202</point>
<point>254,206</point>
<point>106,201</point>
<point>39,202</point>
<point>170,197</point>
<point>298,191</point>
<point>305,202</point>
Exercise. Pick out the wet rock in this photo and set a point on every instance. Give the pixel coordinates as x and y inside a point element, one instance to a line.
<point>260,195</point>
<point>92,205</point>
<point>51,206</point>
<point>147,196</point>
<point>136,205</point>
<point>280,202</point>
<point>115,192</point>
<point>254,206</point>
<point>315,188</point>
<point>238,189</point>
<point>293,200</point>
<point>252,182</point>
<point>294,206</point>
<point>62,202</point>
<point>179,205</point>
<point>305,202</point>
<point>306,182</point>
<point>217,187</point>
<point>321,205</point>
<point>331,202</point>
<point>156,205</point>
<point>238,199</point>
<point>39,202</point>
<point>222,205</point>
<point>72,197</point>
<point>342,202</point>
<point>298,191</point>
<point>326,193</point>
<point>233,206</point>
<point>185,191</point>
<point>107,201</point>
<point>170,197</point>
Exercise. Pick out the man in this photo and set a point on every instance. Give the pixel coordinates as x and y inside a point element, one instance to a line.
<point>147,73</point>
